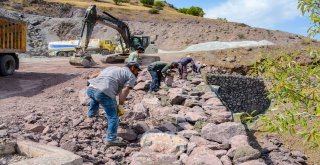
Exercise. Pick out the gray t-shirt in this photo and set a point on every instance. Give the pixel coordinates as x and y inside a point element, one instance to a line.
<point>112,80</point>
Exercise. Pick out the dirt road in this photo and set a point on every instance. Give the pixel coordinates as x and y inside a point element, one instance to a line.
<point>37,82</point>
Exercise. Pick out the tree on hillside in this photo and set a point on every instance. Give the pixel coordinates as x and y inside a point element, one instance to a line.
<point>312,8</point>
<point>148,3</point>
<point>193,10</point>
<point>196,11</point>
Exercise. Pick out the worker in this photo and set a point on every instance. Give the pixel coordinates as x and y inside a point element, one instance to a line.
<point>183,63</point>
<point>134,56</point>
<point>158,70</point>
<point>198,67</point>
<point>103,90</point>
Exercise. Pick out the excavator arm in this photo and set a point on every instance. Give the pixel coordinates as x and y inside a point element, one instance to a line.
<point>81,57</point>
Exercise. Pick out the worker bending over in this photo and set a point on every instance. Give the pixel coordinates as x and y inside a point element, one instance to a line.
<point>103,90</point>
<point>158,70</point>
<point>183,69</point>
<point>134,56</point>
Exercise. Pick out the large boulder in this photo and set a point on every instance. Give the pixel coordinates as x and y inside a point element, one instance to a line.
<point>193,117</point>
<point>191,103</point>
<point>203,156</point>
<point>160,112</point>
<point>219,116</point>
<point>151,103</point>
<point>245,153</point>
<point>139,112</point>
<point>177,96</point>
<point>208,95</point>
<point>141,86</point>
<point>214,101</point>
<point>141,127</point>
<point>222,132</point>
<point>164,143</point>
<point>127,134</point>
<point>239,141</point>
<point>146,158</point>
<point>199,141</point>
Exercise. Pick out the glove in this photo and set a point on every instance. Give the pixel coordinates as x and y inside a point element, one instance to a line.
<point>120,110</point>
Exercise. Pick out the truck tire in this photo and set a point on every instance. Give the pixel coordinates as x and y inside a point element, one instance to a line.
<point>7,65</point>
<point>62,54</point>
<point>71,53</point>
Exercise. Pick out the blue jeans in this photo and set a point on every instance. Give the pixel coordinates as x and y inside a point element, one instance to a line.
<point>156,79</point>
<point>110,107</point>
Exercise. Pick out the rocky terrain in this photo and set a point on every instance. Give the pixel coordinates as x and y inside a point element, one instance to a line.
<point>186,124</point>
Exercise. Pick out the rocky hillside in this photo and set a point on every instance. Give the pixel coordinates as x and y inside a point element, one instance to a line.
<point>50,21</point>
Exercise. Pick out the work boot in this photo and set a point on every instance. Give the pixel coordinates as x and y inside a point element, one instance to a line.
<point>116,142</point>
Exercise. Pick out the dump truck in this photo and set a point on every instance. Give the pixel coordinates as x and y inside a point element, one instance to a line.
<point>67,48</point>
<point>13,39</point>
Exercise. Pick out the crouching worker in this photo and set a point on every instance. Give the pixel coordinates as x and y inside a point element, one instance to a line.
<point>103,90</point>
<point>157,70</point>
<point>134,56</point>
<point>183,69</point>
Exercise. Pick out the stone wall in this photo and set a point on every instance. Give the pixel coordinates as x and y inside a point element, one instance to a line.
<point>241,94</point>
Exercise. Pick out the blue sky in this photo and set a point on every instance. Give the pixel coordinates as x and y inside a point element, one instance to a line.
<point>270,14</point>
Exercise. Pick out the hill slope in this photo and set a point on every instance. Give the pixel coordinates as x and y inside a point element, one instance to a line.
<point>174,30</point>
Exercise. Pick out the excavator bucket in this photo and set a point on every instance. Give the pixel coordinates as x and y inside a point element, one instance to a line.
<point>86,61</point>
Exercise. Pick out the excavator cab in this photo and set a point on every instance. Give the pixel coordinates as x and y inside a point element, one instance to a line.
<point>144,41</point>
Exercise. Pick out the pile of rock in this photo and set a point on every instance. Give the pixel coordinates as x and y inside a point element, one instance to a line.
<point>185,124</point>
<point>241,94</point>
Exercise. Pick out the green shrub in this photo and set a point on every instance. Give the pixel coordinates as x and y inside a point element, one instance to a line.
<point>193,10</point>
<point>159,3</point>
<point>196,11</point>
<point>294,89</point>
<point>183,10</point>
<point>154,11</point>
<point>148,3</point>
<point>117,2</point>
<point>241,36</point>
<point>222,19</point>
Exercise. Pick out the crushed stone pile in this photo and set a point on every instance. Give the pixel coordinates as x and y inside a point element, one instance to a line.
<point>185,124</point>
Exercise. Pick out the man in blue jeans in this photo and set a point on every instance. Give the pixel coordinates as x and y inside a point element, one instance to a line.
<point>103,90</point>
<point>157,70</point>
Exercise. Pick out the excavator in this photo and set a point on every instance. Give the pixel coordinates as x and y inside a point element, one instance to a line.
<point>128,42</point>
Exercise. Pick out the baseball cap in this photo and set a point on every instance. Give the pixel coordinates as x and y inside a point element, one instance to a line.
<point>135,64</point>
<point>139,48</point>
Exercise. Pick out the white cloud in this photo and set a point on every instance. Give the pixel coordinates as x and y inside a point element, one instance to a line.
<point>259,13</point>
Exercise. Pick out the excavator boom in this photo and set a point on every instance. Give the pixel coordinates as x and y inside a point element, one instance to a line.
<point>81,57</point>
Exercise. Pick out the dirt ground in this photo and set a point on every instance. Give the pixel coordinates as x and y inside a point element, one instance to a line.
<point>41,82</point>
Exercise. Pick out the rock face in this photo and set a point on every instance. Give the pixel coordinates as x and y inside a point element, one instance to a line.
<point>203,156</point>
<point>222,132</point>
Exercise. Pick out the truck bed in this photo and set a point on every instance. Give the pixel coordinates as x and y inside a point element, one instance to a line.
<point>12,35</point>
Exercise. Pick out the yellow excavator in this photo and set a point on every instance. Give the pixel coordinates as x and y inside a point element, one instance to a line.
<point>128,42</point>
